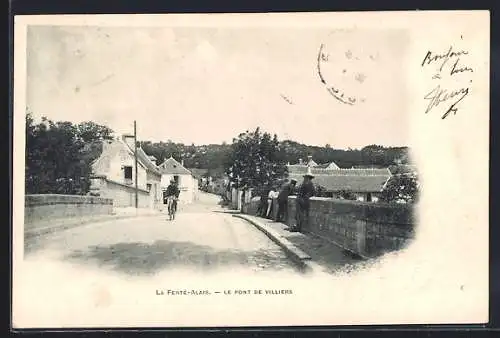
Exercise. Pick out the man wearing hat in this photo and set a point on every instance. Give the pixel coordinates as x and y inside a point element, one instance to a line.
<point>173,191</point>
<point>305,192</point>
<point>287,190</point>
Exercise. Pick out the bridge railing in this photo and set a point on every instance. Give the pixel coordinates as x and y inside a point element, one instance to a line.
<point>44,207</point>
<point>364,228</point>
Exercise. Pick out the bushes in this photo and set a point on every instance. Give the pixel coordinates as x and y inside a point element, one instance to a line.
<point>401,188</point>
<point>59,155</point>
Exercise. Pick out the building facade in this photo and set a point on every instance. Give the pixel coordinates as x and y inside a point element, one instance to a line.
<point>114,174</point>
<point>171,169</point>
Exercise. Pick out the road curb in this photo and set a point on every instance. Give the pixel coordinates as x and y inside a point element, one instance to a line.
<point>73,224</point>
<point>298,256</point>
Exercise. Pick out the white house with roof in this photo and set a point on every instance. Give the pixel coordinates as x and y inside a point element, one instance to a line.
<point>365,184</point>
<point>171,169</point>
<point>311,163</point>
<point>114,174</point>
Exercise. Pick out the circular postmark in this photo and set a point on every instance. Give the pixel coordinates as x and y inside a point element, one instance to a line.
<point>344,71</point>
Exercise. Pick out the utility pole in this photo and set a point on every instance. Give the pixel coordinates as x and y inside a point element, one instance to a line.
<point>135,159</point>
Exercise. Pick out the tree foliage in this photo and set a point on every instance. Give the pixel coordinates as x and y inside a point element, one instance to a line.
<point>215,157</point>
<point>59,155</point>
<point>256,159</point>
<point>401,188</point>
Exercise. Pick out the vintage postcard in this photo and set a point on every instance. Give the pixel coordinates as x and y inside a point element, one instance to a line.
<point>229,170</point>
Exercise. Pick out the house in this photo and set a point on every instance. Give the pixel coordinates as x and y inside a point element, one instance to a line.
<point>114,174</point>
<point>365,184</point>
<point>311,163</point>
<point>201,176</point>
<point>187,183</point>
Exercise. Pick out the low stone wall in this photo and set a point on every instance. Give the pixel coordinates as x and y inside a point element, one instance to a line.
<point>41,208</point>
<point>364,228</point>
<point>122,195</point>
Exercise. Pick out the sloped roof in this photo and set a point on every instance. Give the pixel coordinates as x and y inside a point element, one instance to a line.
<point>356,180</point>
<point>112,148</point>
<point>312,163</point>
<point>145,159</point>
<point>172,167</point>
<point>142,157</point>
<point>302,169</point>
<point>331,165</point>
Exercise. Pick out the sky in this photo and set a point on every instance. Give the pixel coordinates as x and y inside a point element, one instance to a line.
<point>206,85</point>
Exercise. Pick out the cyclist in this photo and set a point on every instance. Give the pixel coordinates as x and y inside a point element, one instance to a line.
<point>173,193</point>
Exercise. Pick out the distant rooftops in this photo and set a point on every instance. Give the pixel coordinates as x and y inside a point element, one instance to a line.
<point>333,178</point>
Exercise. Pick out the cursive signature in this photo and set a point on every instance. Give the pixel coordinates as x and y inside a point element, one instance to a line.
<point>439,95</point>
<point>432,57</point>
<point>457,69</point>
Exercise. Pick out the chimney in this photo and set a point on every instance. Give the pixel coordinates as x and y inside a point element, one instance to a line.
<point>309,158</point>
<point>300,161</point>
<point>182,162</point>
<point>129,140</point>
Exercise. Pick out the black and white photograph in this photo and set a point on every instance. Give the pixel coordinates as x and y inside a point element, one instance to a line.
<point>234,170</point>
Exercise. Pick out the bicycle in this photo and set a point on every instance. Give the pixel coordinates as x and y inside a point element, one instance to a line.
<point>171,207</point>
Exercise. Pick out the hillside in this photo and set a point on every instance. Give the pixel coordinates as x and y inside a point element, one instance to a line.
<point>214,156</point>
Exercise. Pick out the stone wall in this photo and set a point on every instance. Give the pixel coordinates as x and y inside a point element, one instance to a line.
<point>122,195</point>
<point>50,206</point>
<point>364,228</point>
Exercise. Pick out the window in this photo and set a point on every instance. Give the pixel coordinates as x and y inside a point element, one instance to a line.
<point>176,179</point>
<point>369,197</point>
<point>128,172</point>
<point>148,186</point>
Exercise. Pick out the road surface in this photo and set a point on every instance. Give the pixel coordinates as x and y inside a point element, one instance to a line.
<point>202,237</point>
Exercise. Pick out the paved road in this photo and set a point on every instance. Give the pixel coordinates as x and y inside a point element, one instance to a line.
<point>202,237</point>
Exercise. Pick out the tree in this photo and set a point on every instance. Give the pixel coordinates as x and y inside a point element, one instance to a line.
<point>401,188</point>
<point>91,132</point>
<point>256,159</point>
<point>59,155</point>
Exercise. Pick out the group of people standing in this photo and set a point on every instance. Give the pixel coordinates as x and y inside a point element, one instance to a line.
<point>304,192</point>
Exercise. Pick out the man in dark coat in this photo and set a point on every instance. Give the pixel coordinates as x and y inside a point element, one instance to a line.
<point>305,192</point>
<point>172,191</point>
<point>262,209</point>
<point>287,190</point>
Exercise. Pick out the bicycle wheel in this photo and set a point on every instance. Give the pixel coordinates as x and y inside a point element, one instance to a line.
<point>173,210</point>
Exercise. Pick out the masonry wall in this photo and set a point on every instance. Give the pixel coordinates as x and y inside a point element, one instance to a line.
<point>51,206</point>
<point>364,228</point>
<point>122,195</point>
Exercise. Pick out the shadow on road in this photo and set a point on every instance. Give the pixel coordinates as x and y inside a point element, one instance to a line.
<point>147,259</point>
